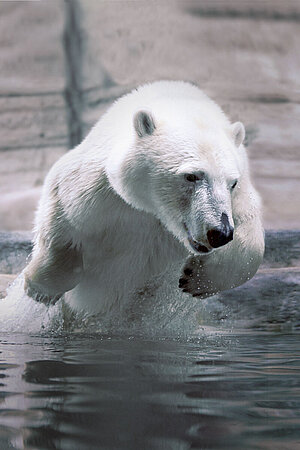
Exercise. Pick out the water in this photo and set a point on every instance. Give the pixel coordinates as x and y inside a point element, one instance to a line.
<point>216,391</point>
<point>169,372</point>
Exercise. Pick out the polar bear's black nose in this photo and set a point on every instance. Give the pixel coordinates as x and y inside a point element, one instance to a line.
<point>221,235</point>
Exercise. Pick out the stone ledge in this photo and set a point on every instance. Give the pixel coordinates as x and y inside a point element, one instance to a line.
<point>282,250</point>
<point>15,247</point>
<point>269,301</point>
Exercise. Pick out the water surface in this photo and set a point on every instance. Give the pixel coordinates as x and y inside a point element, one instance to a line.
<point>216,391</point>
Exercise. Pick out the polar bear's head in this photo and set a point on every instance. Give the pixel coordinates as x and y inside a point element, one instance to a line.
<point>185,172</point>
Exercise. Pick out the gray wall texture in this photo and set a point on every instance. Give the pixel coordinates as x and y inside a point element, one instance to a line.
<point>62,63</point>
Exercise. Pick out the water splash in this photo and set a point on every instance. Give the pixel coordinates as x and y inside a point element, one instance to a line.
<point>20,313</point>
<point>156,311</point>
<point>161,310</point>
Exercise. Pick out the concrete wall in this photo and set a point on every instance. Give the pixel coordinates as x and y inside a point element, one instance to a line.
<point>63,63</point>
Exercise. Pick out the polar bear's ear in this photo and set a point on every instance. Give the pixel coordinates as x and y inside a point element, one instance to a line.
<point>144,123</point>
<point>238,133</point>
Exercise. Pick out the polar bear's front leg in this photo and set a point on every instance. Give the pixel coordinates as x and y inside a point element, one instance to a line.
<point>52,272</point>
<point>228,266</point>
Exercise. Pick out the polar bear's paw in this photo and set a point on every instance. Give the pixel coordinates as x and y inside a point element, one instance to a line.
<point>194,280</point>
<point>40,297</point>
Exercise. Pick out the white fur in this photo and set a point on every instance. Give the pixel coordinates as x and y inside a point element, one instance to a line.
<point>117,203</point>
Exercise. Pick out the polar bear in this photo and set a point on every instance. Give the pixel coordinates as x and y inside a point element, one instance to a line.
<point>162,177</point>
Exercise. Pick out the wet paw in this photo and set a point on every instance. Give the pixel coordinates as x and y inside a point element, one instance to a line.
<point>46,299</point>
<point>40,297</point>
<point>193,280</point>
<point>184,281</point>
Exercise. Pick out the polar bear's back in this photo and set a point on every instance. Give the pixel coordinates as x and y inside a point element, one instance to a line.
<point>166,100</point>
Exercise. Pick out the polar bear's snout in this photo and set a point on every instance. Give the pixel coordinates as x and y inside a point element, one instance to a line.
<point>219,236</point>
<point>216,236</point>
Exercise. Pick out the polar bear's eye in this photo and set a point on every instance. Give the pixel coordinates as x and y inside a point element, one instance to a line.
<point>234,185</point>
<point>191,177</point>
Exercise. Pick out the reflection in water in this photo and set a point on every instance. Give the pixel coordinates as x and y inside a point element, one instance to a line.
<point>91,392</point>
